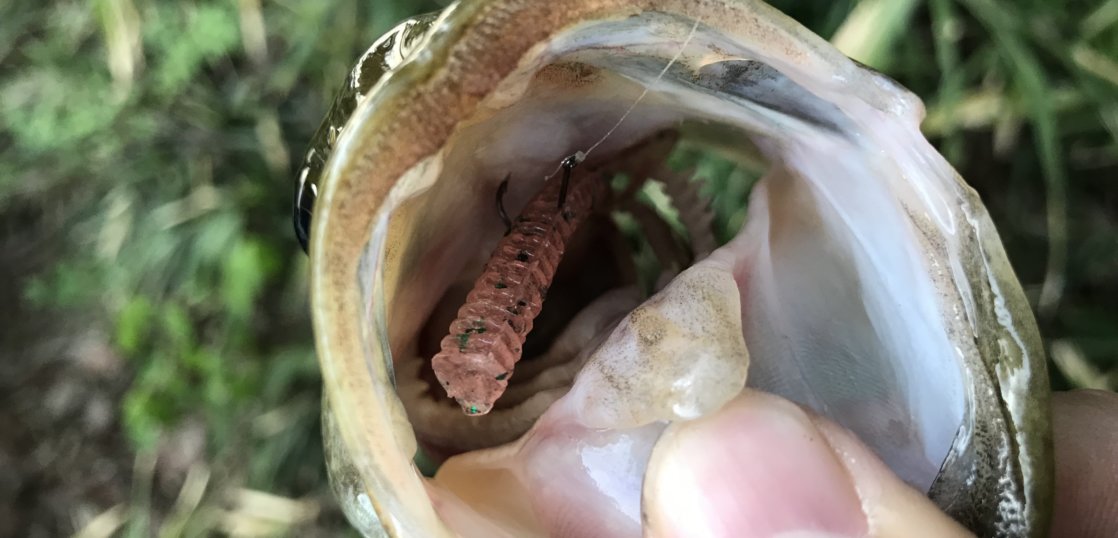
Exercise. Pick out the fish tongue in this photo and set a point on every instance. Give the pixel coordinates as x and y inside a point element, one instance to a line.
<point>578,472</point>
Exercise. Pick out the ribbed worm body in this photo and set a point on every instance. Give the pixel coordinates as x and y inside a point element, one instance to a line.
<point>485,341</point>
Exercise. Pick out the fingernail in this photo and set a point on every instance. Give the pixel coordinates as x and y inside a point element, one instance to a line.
<point>758,467</point>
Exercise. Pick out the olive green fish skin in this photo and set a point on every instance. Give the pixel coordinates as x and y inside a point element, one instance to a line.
<point>1007,463</point>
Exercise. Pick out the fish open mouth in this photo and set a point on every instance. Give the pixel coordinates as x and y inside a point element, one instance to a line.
<point>857,285</point>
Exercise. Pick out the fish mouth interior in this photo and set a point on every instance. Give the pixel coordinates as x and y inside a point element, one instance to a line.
<point>843,311</point>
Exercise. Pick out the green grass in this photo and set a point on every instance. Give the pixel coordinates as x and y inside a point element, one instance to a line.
<point>147,151</point>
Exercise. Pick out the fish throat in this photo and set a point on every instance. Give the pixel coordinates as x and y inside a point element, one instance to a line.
<point>594,287</point>
<point>486,339</point>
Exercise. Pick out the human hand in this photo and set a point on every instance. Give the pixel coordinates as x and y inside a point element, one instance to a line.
<point>1085,430</point>
<point>764,467</point>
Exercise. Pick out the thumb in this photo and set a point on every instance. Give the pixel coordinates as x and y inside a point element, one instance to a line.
<point>761,466</point>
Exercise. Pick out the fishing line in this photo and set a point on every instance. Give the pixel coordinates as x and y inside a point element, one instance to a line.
<point>579,156</point>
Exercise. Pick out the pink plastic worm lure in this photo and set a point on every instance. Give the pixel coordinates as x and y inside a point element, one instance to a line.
<point>479,354</point>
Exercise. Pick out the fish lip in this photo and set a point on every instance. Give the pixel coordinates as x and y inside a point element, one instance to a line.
<point>334,266</point>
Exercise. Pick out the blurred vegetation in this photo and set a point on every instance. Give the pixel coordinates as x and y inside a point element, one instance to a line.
<point>147,153</point>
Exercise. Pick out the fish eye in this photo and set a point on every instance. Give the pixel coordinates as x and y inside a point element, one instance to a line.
<point>305,194</point>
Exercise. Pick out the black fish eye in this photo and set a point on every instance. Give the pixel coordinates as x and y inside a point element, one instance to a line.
<point>305,194</point>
